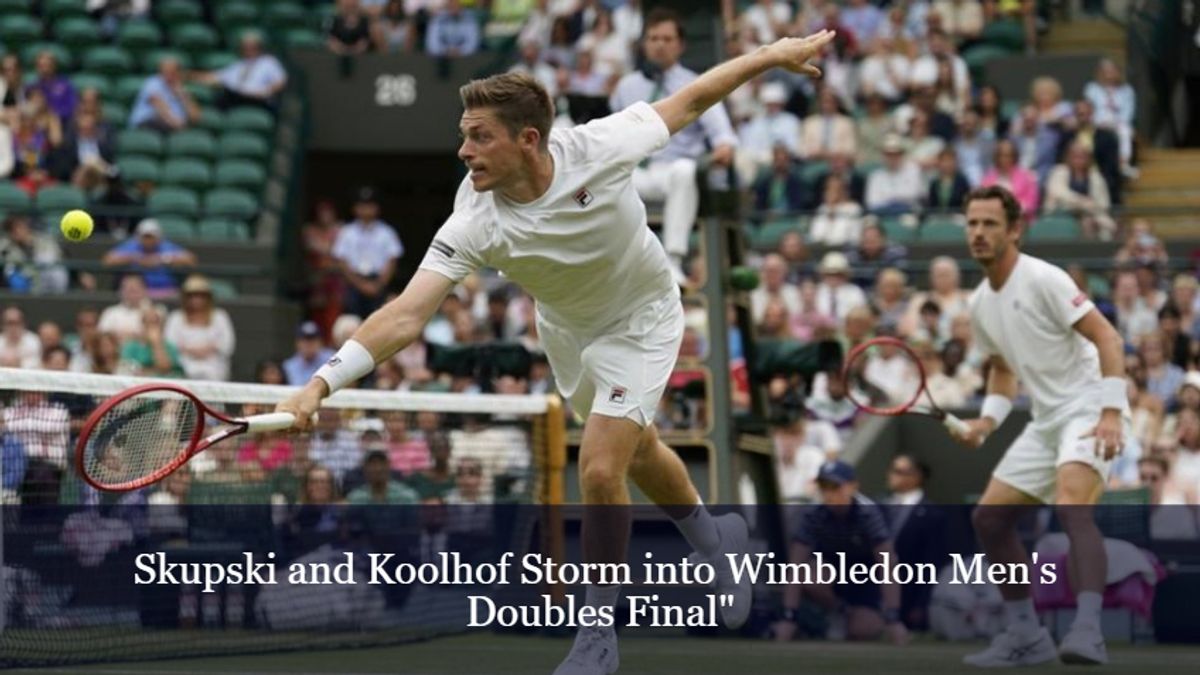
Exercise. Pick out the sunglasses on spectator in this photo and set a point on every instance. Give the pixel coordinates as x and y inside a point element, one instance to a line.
<point>470,471</point>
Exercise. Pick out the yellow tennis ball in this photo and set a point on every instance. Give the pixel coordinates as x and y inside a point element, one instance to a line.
<point>76,225</point>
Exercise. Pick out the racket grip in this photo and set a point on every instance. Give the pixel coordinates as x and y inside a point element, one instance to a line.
<point>954,424</point>
<point>272,422</point>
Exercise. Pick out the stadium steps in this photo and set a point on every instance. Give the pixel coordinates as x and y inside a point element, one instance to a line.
<point>1085,36</point>
<point>1169,182</point>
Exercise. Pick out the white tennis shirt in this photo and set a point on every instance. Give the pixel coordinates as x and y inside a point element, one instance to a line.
<point>1030,323</point>
<point>581,249</point>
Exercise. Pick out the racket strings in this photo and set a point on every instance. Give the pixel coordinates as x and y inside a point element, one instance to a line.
<point>886,377</point>
<point>139,436</point>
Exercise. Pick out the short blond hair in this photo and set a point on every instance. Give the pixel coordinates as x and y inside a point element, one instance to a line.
<point>520,102</point>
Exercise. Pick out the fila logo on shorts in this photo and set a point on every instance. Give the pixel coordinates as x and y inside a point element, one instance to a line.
<point>617,395</point>
<point>583,197</point>
<point>442,247</point>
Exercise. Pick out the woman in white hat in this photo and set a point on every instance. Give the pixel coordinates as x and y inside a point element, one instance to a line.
<point>202,332</point>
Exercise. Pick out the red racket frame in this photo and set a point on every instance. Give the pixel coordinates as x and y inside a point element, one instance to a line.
<point>896,410</point>
<point>196,444</point>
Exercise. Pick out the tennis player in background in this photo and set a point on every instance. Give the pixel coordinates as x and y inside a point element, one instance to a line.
<point>557,213</point>
<point>1037,327</point>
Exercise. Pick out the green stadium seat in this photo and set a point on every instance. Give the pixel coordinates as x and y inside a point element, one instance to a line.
<point>177,227</point>
<point>942,229</point>
<point>176,12</point>
<point>115,114</point>
<point>14,7</point>
<point>173,201</point>
<point>768,235</point>
<point>154,57</point>
<point>811,172</point>
<point>60,198</point>
<point>302,38</point>
<point>243,145</point>
<point>233,14</point>
<point>1010,108</point>
<point>321,15</point>
<point>77,32</point>
<point>62,56</point>
<point>194,37</point>
<point>84,81</point>
<point>187,172</point>
<point>204,94</point>
<point>897,231</point>
<point>230,203</point>
<point>216,60</point>
<point>241,173</point>
<point>1008,34</point>
<point>57,9</point>
<point>13,198</point>
<point>283,15</point>
<point>18,30</point>
<point>249,118</point>
<point>1054,226</point>
<point>223,229</point>
<point>139,35</point>
<point>223,289</point>
<point>139,169</point>
<point>128,87</point>
<point>108,60</point>
<point>140,142</point>
<point>192,143</point>
<point>979,55</point>
<point>211,119</point>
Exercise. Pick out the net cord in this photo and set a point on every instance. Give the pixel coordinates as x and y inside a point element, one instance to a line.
<point>265,394</point>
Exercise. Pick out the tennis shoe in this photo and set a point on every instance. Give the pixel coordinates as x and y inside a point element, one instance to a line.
<point>594,653</point>
<point>1011,649</point>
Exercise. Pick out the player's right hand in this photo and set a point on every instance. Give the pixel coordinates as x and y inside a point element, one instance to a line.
<point>304,403</point>
<point>977,431</point>
<point>794,53</point>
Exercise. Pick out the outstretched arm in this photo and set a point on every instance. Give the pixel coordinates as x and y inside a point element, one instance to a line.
<point>686,105</point>
<point>388,330</point>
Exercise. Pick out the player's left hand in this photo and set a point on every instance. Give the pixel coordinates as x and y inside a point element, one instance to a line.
<point>897,633</point>
<point>1108,434</point>
<point>794,53</point>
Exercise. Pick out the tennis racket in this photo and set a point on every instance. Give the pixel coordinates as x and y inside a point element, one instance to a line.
<point>143,434</point>
<point>894,384</point>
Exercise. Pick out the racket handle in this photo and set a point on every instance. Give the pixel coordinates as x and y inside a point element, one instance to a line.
<point>272,422</point>
<point>954,424</point>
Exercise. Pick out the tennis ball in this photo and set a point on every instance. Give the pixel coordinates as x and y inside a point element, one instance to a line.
<point>76,225</point>
<point>743,278</point>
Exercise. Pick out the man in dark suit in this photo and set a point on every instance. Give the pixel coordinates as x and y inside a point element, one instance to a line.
<point>86,148</point>
<point>843,167</point>
<point>779,191</point>
<point>918,529</point>
<point>949,188</point>
<point>1103,142</point>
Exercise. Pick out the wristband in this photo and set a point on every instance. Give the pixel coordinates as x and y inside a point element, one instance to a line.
<point>1113,393</point>
<point>352,363</point>
<point>996,407</point>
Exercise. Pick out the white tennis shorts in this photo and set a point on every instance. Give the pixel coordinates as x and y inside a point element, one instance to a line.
<point>622,372</point>
<point>1031,462</point>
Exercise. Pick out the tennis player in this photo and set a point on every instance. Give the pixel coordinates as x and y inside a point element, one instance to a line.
<point>1037,327</point>
<point>557,213</point>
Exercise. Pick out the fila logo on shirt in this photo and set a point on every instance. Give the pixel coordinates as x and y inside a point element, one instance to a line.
<point>617,395</point>
<point>1079,300</point>
<point>583,197</point>
<point>442,247</point>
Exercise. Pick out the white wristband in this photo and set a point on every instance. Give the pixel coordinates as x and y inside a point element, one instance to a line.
<point>1113,393</point>
<point>352,363</point>
<point>996,407</point>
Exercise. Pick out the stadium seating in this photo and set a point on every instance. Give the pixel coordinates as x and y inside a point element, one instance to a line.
<point>187,172</point>
<point>173,201</point>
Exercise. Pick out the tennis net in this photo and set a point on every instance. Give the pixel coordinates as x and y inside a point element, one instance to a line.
<point>408,473</point>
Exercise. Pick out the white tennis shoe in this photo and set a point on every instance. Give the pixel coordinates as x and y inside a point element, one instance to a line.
<point>1083,646</point>
<point>594,653</point>
<point>1010,649</point>
<point>735,536</point>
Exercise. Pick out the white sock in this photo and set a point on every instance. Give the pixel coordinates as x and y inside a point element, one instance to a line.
<point>1087,614</point>
<point>1021,616</point>
<point>700,530</point>
<point>602,596</point>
